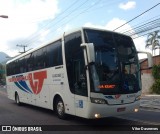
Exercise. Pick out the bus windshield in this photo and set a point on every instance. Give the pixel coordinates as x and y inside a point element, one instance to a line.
<point>116,69</point>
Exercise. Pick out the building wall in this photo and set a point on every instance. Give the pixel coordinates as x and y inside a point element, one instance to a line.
<point>147,82</point>
<point>144,64</point>
<point>146,75</point>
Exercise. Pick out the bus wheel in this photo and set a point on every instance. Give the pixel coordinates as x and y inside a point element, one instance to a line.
<point>60,109</point>
<point>17,99</point>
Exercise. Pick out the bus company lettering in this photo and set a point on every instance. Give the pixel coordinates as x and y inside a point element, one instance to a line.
<point>35,79</point>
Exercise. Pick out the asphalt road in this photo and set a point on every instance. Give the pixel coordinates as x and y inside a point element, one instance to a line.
<point>11,114</point>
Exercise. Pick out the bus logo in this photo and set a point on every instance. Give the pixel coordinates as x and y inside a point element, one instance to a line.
<point>35,79</point>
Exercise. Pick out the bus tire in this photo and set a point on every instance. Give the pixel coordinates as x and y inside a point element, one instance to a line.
<point>17,99</point>
<point>60,109</point>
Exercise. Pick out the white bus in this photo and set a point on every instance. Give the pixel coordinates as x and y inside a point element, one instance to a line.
<point>90,73</point>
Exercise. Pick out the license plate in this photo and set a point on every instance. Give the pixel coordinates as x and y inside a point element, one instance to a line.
<point>121,109</point>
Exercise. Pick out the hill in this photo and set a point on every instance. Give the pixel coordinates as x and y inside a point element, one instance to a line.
<point>3,57</point>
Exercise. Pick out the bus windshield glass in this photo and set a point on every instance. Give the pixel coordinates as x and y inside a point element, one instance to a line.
<point>116,69</point>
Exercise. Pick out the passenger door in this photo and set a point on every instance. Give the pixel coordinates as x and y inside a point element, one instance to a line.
<point>76,72</point>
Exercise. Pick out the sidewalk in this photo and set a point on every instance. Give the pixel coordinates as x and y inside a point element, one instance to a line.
<point>150,101</point>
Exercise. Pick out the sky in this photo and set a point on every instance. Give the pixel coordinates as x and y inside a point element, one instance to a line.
<point>35,22</point>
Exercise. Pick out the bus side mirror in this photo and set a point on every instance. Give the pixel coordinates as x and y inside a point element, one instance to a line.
<point>89,51</point>
<point>149,56</point>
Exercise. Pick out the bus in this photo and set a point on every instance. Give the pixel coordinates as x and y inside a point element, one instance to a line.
<point>90,73</point>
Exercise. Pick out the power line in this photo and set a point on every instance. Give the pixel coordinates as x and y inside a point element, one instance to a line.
<point>140,26</point>
<point>137,16</point>
<point>102,6</point>
<point>150,26</point>
<point>144,28</point>
<point>53,25</point>
<point>53,19</point>
<point>143,22</point>
<point>34,37</point>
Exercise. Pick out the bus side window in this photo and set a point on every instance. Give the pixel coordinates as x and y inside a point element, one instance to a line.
<point>57,53</point>
<point>31,62</point>
<point>16,68</point>
<point>44,57</point>
<point>39,59</point>
<point>54,54</point>
<point>21,65</point>
<point>27,62</point>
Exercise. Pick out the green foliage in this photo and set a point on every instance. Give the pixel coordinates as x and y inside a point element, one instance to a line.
<point>2,75</point>
<point>156,87</point>
<point>156,71</point>
<point>156,74</point>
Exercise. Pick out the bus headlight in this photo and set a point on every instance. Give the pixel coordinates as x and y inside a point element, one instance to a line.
<point>97,115</point>
<point>136,110</point>
<point>137,98</point>
<point>98,100</point>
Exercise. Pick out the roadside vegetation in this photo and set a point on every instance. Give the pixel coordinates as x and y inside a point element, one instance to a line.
<point>2,75</point>
<point>153,42</point>
<point>156,74</point>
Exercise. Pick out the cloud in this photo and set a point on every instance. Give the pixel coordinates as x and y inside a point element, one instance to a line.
<point>23,22</point>
<point>34,10</point>
<point>111,25</point>
<point>89,24</point>
<point>115,23</point>
<point>128,5</point>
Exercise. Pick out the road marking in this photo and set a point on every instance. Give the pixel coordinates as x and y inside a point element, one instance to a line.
<point>137,120</point>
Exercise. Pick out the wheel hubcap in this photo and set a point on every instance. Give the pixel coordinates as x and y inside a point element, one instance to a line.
<point>60,108</point>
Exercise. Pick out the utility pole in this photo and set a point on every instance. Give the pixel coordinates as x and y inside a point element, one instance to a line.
<point>4,16</point>
<point>24,48</point>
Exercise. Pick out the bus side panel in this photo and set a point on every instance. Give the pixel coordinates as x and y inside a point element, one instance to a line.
<point>24,97</point>
<point>60,87</point>
<point>42,99</point>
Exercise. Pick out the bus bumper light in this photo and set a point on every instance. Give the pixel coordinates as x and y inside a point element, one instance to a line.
<point>136,110</point>
<point>138,98</point>
<point>98,100</point>
<point>97,115</point>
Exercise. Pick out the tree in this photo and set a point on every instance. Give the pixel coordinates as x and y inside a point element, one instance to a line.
<point>153,41</point>
<point>2,74</point>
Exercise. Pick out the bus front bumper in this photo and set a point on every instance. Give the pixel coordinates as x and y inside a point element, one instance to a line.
<point>104,110</point>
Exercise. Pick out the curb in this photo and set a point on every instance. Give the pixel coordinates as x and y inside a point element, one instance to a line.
<point>150,107</point>
<point>150,101</point>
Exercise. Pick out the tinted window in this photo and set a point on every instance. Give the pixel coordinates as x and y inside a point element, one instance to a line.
<point>75,64</point>
<point>22,65</point>
<point>54,54</point>
<point>45,57</point>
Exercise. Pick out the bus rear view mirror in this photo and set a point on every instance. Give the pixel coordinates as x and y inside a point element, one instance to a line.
<point>149,56</point>
<point>89,47</point>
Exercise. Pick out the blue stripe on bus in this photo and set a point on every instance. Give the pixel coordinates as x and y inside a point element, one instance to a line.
<point>24,85</point>
<point>17,84</point>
